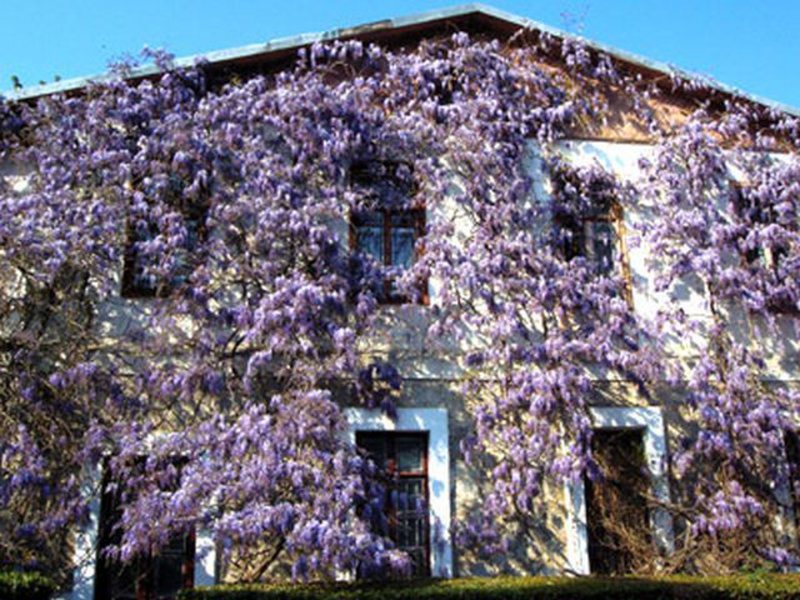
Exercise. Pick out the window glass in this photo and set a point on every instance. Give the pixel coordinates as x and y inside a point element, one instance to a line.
<point>136,280</point>
<point>403,234</point>
<point>593,236</point>
<point>745,209</point>
<point>375,447</point>
<point>389,237</point>
<point>369,235</point>
<point>409,454</point>
<point>603,246</point>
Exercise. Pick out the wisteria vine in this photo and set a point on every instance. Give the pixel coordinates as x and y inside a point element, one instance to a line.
<point>241,358</point>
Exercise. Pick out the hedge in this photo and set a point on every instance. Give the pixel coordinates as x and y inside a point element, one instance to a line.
<point>19,585</point>
<point>757,586</point>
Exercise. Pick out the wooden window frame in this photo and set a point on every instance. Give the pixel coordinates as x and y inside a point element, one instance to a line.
<point>419,220</point>
<point>162,289</point>
<point>390,440</point>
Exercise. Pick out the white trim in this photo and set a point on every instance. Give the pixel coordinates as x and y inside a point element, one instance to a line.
<point>85,548</point>
<point>434,421</point>
<point>655,448</point>
<point>205,558</point>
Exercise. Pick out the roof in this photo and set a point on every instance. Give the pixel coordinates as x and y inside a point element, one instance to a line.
<point>473,15</point>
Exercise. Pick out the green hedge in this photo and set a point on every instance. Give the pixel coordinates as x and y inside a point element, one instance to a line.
<point>739,587</point>
<point>16,585</point>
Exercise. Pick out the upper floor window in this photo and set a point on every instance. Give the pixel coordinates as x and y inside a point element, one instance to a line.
<point>390,238</point>
<point>770,256</point>
<point>595,234</point>
<point>390,232</point>
<point>139,275</point>
<point>749,210</point>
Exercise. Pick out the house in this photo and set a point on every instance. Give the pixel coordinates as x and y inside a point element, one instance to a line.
<point>601,229</point>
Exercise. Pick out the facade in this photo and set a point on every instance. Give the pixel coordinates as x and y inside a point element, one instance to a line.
<point>420,448</point>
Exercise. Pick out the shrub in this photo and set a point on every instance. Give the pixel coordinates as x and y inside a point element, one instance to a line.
<point>17,585</point>
<point>738,587</point>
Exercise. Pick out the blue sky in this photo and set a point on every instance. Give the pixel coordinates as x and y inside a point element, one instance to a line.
<point>750,45</point>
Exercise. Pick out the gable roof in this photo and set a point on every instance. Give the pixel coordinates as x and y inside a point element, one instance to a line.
<point>468,17</point>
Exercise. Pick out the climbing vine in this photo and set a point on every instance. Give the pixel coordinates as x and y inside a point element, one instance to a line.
<point>215,398</point>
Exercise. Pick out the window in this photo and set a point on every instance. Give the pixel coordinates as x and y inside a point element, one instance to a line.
<point>151,578</point>
<point>402,458</point>
<point>137,281</point>
<point>595,235</point>
<point>390,238</point>
<point>748,209</point>
<point>743,209</point>
<point>649,423</point>
<point>755,216</point>
<point>389,232</point>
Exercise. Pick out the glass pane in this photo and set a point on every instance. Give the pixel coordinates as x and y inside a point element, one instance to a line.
<point>369,238</point>
<point>401,537</point>
<point>183,255</point>
<point>167,568</point>
<point>403,246</point>
<point>572,240</point>
<point>603,246</point>
<point>411,496</point>
<point>141,263</point>
<point>375,448</point>
<point>406,219</point>
<point>404,234</point>
<point>372,218</point>
<point>410,454</point>
<point>192,233</point>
